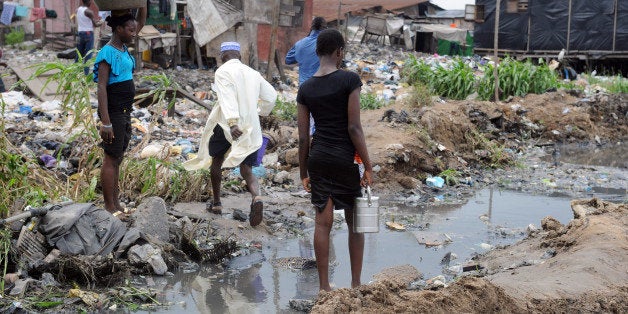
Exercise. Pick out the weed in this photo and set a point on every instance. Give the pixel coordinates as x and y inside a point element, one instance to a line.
<point>161,178</point>
<point>420,96</point>
<point>16,36</point>
<point>285,110</point>
<point>369,101</point>
<point>613,84</point>
<point>5,248</point>
<point>451,176</point>
<point>497,155</point>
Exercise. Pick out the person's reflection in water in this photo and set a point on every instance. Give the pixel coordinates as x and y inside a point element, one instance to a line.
<point>307,279</point>
<point>240,291</point>
<point>249,284</point>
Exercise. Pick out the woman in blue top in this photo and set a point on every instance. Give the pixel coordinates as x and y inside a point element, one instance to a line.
<point>113,71</point>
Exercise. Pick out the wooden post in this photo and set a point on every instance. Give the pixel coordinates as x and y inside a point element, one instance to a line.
<point>339,14</point>
<point>495,46</point>
<point>568,27</point>
<point>273,39</point>
<point>615,24</point>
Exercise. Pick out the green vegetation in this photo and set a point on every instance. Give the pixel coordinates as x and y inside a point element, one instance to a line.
<point>451,176</point>
<point>161,178</point>
<point>458,80</point>
<point>614,84</point>
<point>20,178</point>
<point>419,96</point>
<point>370,101</point>
<point>285,110</point>
<point>455,83</point>
<point>165,87</point>
<point>496,155</point>
<point>517,78</point>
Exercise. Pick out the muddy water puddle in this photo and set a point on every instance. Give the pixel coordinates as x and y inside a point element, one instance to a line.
<point>490,218</point>
<point>609,155</point>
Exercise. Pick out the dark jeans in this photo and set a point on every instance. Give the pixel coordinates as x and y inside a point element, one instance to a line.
<point>84,47</point>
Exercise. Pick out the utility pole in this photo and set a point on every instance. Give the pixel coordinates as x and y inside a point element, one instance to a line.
<point>495,45</point>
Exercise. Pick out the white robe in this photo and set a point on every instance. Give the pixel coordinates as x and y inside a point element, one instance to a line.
<point>243,94</point>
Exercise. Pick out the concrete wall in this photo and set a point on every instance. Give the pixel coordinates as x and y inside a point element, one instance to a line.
<point>286,36</point>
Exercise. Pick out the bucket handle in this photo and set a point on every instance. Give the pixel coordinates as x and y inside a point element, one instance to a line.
<point>368,195</point>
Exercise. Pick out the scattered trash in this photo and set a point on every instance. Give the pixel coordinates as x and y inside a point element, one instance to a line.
<point>435,182</point>
<point>395,226</point>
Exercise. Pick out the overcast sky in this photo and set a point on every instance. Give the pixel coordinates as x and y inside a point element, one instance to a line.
<point>452,4</point>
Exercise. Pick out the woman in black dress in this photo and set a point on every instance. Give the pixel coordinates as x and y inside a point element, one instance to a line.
<point>326,161</point>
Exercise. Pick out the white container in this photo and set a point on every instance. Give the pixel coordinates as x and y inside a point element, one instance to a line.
<point>366,213</point>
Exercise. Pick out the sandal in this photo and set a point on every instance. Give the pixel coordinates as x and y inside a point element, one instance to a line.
<point>215,208</point>
<point>124,217</point>
<point>257,212</point>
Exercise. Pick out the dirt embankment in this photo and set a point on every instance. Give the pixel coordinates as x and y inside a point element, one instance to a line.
<point>580,267</point>
<point>458,134</point>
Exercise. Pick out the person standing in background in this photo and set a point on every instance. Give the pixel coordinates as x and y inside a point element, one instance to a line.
<point>304,53</point>
<point>85,20</point>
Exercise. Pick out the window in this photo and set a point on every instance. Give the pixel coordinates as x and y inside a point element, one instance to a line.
<point>517,6</point>
<point>474,13</point>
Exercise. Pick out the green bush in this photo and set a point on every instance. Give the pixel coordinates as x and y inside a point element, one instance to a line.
<point>14,37</point>
<point>285,110</point>
<point>369,101</point>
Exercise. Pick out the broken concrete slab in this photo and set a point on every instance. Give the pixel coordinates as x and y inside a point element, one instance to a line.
<point>151,218</point>
<point>429,238</point>
<point>195,211</point>
<point>147,254</point>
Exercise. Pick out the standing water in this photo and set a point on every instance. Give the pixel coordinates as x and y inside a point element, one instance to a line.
<point>488,219</point>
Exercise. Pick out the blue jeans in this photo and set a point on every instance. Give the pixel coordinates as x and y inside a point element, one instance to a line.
<point>84,47</point>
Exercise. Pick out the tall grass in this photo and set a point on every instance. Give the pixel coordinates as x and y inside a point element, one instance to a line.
<point>458,80</point>
<point>455,82</point>
<point>517,78</point>
<point>613,84</point>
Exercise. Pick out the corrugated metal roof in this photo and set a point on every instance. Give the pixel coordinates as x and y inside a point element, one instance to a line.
<point>447,14</point>
<point>329,8</point>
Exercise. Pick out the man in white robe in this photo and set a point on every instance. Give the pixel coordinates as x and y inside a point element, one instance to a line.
<point>233,134</point>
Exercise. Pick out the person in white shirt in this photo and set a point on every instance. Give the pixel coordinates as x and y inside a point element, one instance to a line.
<point>86,20</point>
<point>233,134</point>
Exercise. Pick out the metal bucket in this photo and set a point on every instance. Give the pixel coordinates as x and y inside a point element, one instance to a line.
<point>110,5</point>
<point>366,213</point>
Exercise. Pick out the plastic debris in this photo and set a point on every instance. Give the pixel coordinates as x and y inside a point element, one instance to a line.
<point>435,182</point>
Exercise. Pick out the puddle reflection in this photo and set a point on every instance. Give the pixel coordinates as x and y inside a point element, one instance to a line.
<point>492,217</point>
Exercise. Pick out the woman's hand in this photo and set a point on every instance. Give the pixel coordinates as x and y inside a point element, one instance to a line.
<point>367,178</point>
<point>306,184</point>
<point>106,134</point>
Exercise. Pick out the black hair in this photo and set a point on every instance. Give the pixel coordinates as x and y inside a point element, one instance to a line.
<point>328,41</point>
<point>86,2</point>
<point>115,21</point>
<point>318,23</point>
